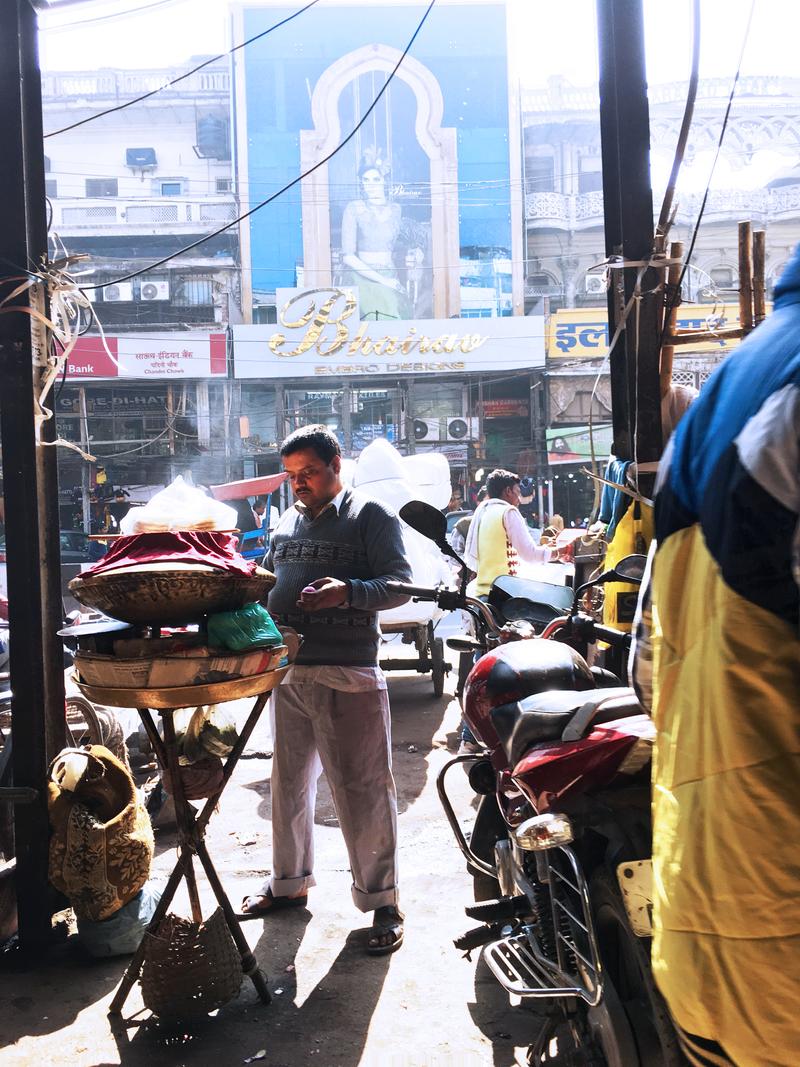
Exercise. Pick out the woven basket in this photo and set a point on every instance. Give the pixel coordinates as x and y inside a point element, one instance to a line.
<point>190,968</point>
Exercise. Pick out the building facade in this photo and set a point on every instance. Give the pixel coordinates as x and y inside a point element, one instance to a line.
<point>449,247</point>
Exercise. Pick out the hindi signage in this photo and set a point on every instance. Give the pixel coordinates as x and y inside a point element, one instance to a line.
<point>319,333</point>
<point>582,333</point>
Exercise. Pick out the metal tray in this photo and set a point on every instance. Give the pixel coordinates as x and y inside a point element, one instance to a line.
<point>188,696</point>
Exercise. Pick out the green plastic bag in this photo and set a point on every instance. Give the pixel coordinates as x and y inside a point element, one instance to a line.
<point>248,627</point>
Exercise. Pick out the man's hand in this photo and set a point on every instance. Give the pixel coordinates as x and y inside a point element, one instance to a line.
<point>323,593</point>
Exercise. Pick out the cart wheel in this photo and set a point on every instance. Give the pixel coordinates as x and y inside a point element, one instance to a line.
<point>438,668</point>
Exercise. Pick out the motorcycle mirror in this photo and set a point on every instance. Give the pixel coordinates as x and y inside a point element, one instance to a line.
<point>629,569</point>
<point>425,519</point>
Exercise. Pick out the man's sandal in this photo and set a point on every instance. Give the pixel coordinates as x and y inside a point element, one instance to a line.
<point>259,905</point>
<point>386,933</point>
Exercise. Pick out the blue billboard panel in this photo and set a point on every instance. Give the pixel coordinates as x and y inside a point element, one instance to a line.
<point>414,211</point>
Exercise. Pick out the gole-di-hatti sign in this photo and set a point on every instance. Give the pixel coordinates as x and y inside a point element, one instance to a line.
<point>319,333</point>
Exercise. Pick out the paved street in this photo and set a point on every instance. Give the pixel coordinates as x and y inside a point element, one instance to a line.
<point>332,1005</point>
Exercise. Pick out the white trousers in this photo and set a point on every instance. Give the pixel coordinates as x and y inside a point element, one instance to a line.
<point>348,735</point>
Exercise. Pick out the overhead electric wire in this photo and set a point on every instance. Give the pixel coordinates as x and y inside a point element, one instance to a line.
<point>674,297</point>
<point>180,78</point>
<point>127,13</point>
<point>295,181</point>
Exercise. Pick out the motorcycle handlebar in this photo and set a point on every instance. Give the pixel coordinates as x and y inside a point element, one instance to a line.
<point>421,592</point>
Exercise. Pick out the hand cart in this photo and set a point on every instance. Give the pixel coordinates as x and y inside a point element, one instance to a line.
<point>191,823</point>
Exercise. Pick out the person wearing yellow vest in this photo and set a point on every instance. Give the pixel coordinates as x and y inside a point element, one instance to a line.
<point>499,538</point>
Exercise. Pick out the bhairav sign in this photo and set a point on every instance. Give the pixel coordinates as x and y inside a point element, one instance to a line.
<point>320,333</point>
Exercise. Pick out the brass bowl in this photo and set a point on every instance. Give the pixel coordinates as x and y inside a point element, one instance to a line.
<point>168,597</point>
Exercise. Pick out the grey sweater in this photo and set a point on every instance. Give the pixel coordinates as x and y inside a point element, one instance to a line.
<point>362,545</point>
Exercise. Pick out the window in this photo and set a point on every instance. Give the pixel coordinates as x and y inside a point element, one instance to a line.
<point>47,164</point>
<point>194,291</point>
<point>171,188</point>
<point>722,277</point>
<point>224,185</point>
<point>590,177</point>
<point>213,136</point>
<point>101,187</point>
<point>540,174</point>
<point>51,188</point>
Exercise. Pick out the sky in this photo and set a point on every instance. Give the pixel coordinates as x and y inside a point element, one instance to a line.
<point>558,36</point>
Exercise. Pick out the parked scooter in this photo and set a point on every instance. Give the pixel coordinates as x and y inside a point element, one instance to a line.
<point>560,849</point>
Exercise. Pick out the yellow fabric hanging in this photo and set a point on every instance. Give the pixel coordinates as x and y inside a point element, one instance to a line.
<point>634,533</point>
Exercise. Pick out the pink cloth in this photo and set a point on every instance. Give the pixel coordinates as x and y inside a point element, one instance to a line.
<point>207,547</point>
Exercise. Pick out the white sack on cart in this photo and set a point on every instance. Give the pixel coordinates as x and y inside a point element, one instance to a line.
<point>179,507</point>
<point>382,473</point>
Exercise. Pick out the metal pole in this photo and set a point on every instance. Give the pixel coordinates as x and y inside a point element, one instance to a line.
<point>30,478</point>
<point>628,211</point>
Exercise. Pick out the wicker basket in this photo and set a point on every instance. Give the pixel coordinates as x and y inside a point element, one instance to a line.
<point>190,968</point>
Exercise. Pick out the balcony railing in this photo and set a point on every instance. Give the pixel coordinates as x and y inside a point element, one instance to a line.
<point>121,84</point>
<point>180,214</point>
<point>560,96</point>
<point>561,211</point>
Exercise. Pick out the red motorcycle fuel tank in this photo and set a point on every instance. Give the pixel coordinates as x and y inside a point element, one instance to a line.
<point>550,773</point>
<point>514,671</point>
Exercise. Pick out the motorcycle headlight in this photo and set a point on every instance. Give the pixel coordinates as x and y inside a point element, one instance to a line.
<point>543,831</point>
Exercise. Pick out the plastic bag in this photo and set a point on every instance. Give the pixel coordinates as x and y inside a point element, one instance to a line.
<point>211,731</point>
<point>247,627</point>
<point>120,934</point>
<point>179,507</point>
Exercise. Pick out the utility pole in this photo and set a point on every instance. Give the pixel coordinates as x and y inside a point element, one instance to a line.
<point>628,210</point>
<point>29,472</point>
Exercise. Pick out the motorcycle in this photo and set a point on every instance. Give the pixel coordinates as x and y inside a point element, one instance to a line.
<point>560,847</point>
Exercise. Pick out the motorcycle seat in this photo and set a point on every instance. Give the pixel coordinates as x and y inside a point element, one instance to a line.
<point>544,716</point>
<point>545,602</point>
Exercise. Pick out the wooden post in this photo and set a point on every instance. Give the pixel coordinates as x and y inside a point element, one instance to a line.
<point>29,472</point>
<point>759,276</point>
<point>673,303</point>
<point>628,217</point>
<point>745,277</point>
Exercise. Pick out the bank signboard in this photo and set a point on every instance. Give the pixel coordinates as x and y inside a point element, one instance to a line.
<point>168,356</point>
<point>320,333</point>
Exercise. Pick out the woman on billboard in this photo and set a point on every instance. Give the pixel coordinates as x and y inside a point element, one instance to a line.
<point>372,229</point>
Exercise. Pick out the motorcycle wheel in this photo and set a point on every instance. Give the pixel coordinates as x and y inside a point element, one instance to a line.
<point>438,669</point>
<point>631,1026</point>
<point>629,980</point>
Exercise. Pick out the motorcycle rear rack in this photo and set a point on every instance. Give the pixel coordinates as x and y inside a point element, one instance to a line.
<point>461,841</point>
<point>519,964</point>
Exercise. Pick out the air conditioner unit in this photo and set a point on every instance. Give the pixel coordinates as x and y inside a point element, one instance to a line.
<point>118,291</point>
<point>155,289</point>
<point>459,429</point>
<point>426,430</point>
<point>595,284</point>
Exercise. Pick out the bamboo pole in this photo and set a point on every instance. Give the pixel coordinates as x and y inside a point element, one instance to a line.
<point>672,302</point>
<point>759,276</point>
<point>745,277</point>
<point>705,337</point>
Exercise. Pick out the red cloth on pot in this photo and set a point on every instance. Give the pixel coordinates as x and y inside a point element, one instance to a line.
<point>208,547</point>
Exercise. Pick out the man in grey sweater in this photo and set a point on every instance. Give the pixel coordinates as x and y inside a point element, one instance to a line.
<point>333,554</point>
